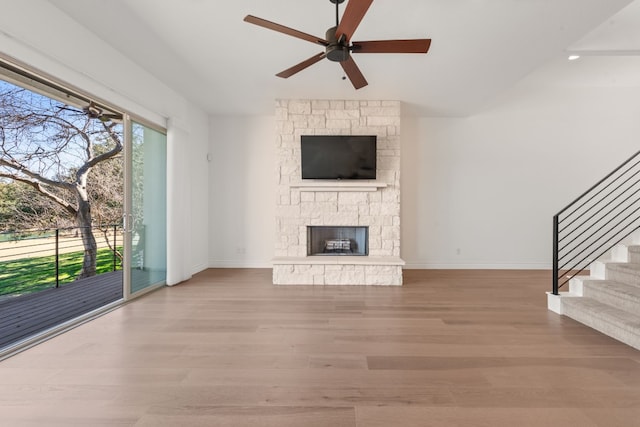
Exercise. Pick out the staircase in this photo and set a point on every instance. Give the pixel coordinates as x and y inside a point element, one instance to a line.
<point>608,299</point>
<point>599,233</point>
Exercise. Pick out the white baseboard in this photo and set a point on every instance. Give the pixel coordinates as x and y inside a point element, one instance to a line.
<point>446,266</point>
<point>198,268</point>
<point>240,264</point>
<point>217,263</point>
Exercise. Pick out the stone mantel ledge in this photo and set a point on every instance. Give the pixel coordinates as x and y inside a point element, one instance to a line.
<point>347,185</point>
<point>338,260</point>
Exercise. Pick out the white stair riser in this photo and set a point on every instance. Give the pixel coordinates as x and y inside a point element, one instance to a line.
<point>626,253</point>
<point>576,285</point>
<point>598,270</point>
<point>620,253</point>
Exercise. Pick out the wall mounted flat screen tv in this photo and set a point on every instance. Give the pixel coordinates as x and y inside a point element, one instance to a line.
<point>338,156</point>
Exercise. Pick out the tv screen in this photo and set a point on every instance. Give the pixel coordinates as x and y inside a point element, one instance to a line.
<point>338,156</point>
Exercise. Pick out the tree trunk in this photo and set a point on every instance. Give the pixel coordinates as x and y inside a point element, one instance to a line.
<point>83,219</point>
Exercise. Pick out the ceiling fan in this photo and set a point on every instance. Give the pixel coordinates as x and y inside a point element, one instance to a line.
<point>338,44</point>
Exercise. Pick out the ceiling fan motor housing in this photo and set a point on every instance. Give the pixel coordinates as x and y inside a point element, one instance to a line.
<point>336,51</point>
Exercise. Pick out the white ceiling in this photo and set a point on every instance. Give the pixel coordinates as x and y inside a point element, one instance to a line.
<point>480,47</point>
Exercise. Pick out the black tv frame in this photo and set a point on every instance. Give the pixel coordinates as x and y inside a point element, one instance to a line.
<point>339,157</point>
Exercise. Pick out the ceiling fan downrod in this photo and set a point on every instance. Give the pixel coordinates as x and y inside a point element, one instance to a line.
<point>336,50</point>
<point>337,3</point>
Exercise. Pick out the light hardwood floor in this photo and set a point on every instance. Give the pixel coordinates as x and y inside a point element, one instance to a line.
<point>227,348</point>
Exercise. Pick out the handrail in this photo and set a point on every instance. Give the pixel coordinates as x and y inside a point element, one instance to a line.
<point>601,230</point>
<point>34,260</point>
<point>599,182</point>
<point>593,206</point>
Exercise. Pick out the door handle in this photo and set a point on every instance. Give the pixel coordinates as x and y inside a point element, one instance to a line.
<point>127,223</point>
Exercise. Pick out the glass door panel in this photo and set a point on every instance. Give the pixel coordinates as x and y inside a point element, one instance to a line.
<point>147,210</point>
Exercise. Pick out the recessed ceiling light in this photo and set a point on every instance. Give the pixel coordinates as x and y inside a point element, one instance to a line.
<point>573,57</point>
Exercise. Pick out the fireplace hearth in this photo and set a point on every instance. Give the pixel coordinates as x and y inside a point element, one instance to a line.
<point>337,240</point>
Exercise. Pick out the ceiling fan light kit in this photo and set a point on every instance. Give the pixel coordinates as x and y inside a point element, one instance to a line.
<point>338,45</point>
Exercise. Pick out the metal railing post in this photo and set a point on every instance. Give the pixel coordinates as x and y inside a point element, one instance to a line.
<point>57,257</point>
<point>555,255</point>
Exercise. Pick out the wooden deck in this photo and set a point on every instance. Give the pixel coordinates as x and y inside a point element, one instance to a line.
<point>24,316</point>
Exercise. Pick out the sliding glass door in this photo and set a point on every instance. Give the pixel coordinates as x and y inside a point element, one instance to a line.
<point>146,209</point>
<point>60,243</point>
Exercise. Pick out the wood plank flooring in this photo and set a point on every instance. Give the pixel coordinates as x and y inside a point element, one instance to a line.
<point>228,348</point>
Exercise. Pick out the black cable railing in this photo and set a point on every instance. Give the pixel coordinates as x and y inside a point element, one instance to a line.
<point>595,222</point>
<point>35,260</point>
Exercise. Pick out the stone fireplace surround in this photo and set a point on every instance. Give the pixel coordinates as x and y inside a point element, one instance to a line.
<point>371,203</point>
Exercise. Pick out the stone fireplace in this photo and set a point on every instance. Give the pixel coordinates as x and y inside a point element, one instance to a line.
<point>368,211</point>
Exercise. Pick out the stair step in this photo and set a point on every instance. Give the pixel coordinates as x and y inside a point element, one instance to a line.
<point>609,320</point>
<point>623,272</point>
<point>608,300</point>
<point>576,284</point>
<point>620,295</point>
<point>626,253</point>
<point>598,268</point>
<point>634,254</point>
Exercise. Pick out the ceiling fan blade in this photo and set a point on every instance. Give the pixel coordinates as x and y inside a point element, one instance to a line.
<point>393,46</point>
<point>351,18</point>
<point>353,72</point>
<point>301,66</point>
<point>285,30</point>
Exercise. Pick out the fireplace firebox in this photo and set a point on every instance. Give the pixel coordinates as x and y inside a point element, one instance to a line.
<point>337,240</point>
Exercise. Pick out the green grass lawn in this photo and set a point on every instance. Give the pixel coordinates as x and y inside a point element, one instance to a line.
<point>29,275</point>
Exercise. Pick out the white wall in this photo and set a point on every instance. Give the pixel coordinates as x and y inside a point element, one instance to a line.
<point>198,184</point>
<point>480,192</point>
<point>242,195</point>
<point>487,185</point>
<point>41,36</point>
